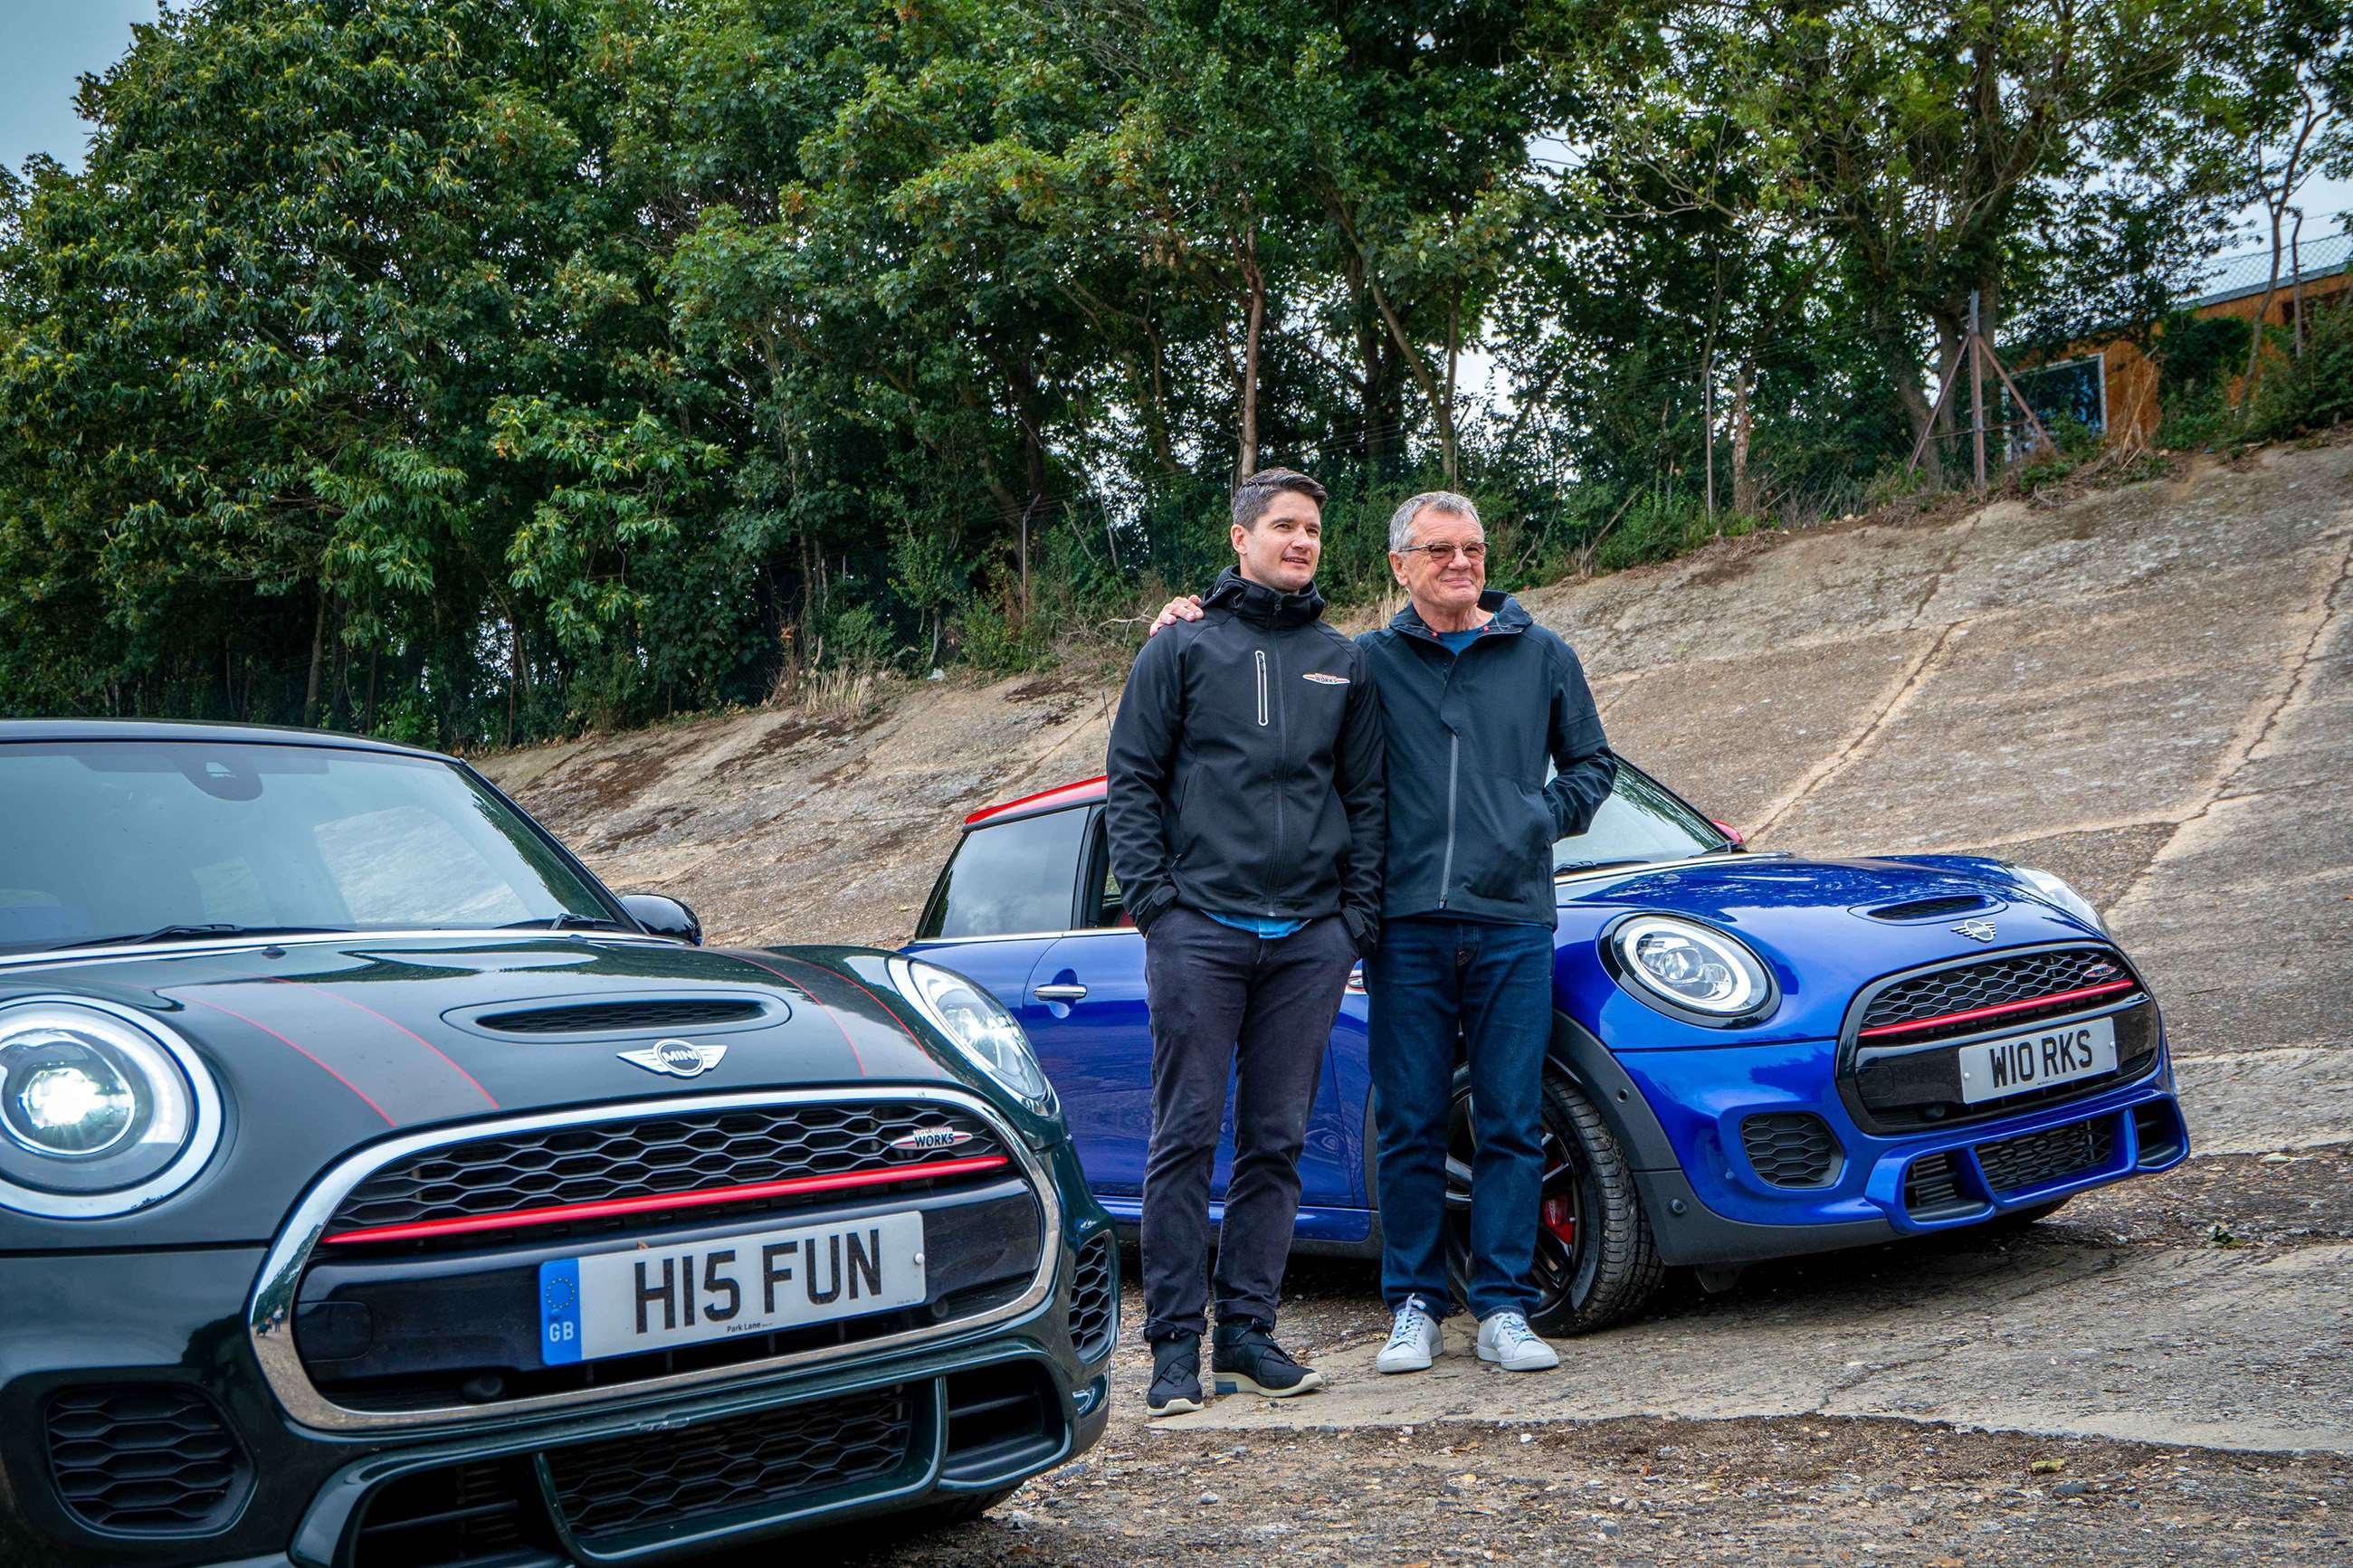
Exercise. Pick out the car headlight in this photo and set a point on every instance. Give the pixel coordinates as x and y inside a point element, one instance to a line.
<point>1688,970</point>
<point>102,1111</point>
<point>2056,890</point>
<point>984,1031</point>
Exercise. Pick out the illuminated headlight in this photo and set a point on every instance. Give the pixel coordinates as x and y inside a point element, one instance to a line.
<point>985,1032</point>
<point>101,1110</point>
<point>1687,968</point>
<point>2057,890</point>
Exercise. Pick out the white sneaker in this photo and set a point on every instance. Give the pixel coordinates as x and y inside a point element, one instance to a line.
<point>1506,1340</point>
<point>1413,1340</point>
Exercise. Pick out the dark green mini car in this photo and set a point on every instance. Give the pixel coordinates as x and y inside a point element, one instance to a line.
<point>379,1191</point>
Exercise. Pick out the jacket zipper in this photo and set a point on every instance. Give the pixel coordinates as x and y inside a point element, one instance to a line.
<point>1446,871</point>
<point>1280,770</point>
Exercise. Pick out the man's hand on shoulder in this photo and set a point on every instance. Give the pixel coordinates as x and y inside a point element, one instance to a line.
<point>1183,607</point>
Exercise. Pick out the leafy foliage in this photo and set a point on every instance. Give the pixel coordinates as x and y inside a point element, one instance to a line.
<point>473,369</point>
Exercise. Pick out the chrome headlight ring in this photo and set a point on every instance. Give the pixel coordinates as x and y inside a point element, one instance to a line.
<point>1688,970</point>
<point>980,1029</point>
<point>104,1109</point>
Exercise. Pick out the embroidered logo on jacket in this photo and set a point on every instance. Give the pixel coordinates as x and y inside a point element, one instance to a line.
<point>1320,679</point>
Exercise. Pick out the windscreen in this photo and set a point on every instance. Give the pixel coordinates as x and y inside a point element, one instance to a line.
<point>109,839</point>
<point>1640,821</point>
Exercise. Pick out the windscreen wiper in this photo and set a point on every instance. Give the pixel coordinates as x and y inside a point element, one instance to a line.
<point>172,932</point>
<point>1567,866</point>
<point>565,921</point>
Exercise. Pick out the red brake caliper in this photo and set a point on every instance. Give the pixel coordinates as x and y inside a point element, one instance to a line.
<point>1559,1220</point>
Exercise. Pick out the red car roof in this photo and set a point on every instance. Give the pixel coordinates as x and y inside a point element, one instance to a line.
<point>1083,792</point>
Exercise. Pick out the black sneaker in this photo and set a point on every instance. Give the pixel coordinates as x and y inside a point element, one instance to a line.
<point>1244,1359</point>
<point>1175,1376</point>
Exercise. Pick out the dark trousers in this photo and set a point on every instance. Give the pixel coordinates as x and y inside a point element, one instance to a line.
<point>1431,980</point>
<point>1258,1011</point>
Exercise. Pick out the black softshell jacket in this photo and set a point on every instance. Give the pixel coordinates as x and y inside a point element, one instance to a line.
<point>1245,767</point>
<point>1472,817</point>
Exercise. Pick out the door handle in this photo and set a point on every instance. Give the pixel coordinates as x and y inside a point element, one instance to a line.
<point>1062,993</point>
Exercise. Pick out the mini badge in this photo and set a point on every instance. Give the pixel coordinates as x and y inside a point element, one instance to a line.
<point>1320,679</point>
<point>678,1059</point>
<point>1976,930</point>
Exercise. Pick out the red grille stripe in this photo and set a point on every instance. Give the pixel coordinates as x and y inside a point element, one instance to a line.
<point>564,1214</point>
<point>1998,1009</point>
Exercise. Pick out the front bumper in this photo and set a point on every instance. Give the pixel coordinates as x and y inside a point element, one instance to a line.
<point>977,1412</point>
<point>1709,1202</point>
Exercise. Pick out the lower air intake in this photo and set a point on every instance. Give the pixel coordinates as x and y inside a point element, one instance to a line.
<point>151,1459</point>
<point>2048,1156</point>
<point>1095,1299</point>
<point>1791,1148</point>
<point>741,1462</point>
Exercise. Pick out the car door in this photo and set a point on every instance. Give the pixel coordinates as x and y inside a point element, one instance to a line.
<point>1095,1035</point>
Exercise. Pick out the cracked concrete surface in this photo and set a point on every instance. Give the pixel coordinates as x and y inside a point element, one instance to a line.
<point>2144,689</point>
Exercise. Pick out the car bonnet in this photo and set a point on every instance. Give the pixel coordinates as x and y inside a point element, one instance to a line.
<point>321,1047</point>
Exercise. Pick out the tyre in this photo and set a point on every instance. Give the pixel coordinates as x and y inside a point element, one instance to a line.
<point>1597,1263</point>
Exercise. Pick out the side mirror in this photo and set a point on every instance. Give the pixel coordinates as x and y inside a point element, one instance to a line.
<point>1739,839</point>
<point>661,915</point>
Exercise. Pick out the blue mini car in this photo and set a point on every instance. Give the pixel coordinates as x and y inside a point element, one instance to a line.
<point>1753,1055</point>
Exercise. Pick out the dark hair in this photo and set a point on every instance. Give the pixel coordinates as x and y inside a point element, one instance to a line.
<point>1256,493</point>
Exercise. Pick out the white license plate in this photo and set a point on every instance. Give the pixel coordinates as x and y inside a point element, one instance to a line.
<point>612,1303</point>
<point>1992,1068</point>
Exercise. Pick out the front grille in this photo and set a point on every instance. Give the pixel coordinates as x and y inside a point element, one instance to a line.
<point>456,1515</point>
<point>1095,1299</point>
<point>1932,1187</point>
<point>150,1458</point>
<point>665,1155</point>
<point>631,1484</point>
<point>1791,1148</point>
<point>1992,983</point>
<point>621,1017</point>
<point>1936,909</point>
<point>2048,1156</point>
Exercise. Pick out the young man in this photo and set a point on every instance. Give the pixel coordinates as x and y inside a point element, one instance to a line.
<point>1246,823</point>
<point>1475,700</point>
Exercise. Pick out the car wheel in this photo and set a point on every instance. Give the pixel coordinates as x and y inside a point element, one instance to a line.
<point>1597,1263</point>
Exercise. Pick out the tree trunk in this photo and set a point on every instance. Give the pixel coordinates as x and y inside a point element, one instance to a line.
<point>318,658</point>
<point>1895,360</point>
<point>1254,281</point>
<point>1743,487</point>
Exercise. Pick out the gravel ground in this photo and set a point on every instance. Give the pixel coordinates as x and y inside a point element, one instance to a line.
<point>1793,1489</point>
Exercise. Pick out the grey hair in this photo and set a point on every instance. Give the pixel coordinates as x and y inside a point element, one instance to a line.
<point>1447,501</point>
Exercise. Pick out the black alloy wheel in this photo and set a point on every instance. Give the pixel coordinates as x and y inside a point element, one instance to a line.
<point>1596,1261</point>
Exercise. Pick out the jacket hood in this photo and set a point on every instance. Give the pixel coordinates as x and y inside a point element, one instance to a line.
<point>1509,615</point>
<point>321,1047</point>
<point>1256,603</point>
<point>1825,928</point>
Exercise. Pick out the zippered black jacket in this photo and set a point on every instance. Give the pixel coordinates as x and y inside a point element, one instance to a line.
<point>1245,766</point>
<point>1471,818</point>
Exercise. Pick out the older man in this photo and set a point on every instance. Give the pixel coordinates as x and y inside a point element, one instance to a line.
<point>1475,700</point>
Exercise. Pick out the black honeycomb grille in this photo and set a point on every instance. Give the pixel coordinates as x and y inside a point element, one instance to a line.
<point>669,1155</point>
<point>2048,1155</point>
<point>150,1458</point>
<point>617,1018</point>
<point>639,1483</point>
<point>1992,983</point>
<point>1791,1148</point>
<point>1095,1299</point>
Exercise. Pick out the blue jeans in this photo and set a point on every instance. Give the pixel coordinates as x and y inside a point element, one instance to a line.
<point>1432,980</point>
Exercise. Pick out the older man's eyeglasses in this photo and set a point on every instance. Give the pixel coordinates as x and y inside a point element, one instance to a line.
<point>1444,554</point>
